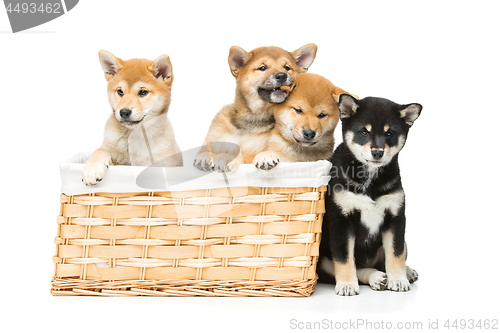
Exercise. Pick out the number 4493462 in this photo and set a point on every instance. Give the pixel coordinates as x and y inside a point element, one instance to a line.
<point>485,324</point>
<point>24,8</point>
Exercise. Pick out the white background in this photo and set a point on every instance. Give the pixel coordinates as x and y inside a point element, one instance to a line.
<point>443,55</point>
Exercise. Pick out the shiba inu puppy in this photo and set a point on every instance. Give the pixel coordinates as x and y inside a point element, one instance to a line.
<point>264,76</point>
<point>305,123</point>
<point>363,235</point>
<point>138,131</point>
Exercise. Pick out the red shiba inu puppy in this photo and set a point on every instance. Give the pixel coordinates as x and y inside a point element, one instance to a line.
<point>138,132</point>
<point>264,77</point>
<point>305,123</point>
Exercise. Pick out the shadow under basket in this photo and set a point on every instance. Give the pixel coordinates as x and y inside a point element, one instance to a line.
<point>230,240</point>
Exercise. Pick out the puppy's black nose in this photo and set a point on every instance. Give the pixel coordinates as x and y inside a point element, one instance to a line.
<point>125,113</point>
<point>308,134</point>
<point>281,77</point>
<point>377,153</point>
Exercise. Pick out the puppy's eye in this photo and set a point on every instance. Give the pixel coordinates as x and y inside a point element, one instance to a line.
<point>389,133</point>
<point>143,92</point>
<point>262,68</point>
<point>364,132</point>
<point>322,115</point>
<point>119,92</point>
<point>287,67</point>
<point>299,111</point>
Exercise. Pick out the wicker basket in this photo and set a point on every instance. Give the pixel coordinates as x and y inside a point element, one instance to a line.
<point>226,241</point>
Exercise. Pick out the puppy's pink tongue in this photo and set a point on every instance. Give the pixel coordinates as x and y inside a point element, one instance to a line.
<point>286,88</point>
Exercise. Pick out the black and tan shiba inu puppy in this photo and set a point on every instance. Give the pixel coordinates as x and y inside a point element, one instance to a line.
<point>305,123</point>
<point>240,131</point>
<point>363,235</point>
<point>138,131</point>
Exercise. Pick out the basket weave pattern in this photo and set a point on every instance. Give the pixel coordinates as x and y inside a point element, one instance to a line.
<point>245,241</point>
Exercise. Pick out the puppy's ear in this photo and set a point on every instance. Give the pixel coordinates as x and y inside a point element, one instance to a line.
<point>237,59</point>
<point>110,64</point>
<point>304,56</point>
<point>347,105</point>
<point>162,68</point>
<point>411,112</point>
<point>336,92</point>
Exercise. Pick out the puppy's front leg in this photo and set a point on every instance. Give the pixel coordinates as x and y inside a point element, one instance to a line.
<point>226,161</point>
<point>95,167</point>
<point>395,261</point>
<point>219,157</point>
<point>226,156</point>
<point>203,159</point>
<point>346,282</point>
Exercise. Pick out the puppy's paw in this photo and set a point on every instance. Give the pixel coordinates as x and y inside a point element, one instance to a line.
<point>411,274</point>
<point>202,161</point>
<point>266,160</point>
<point>347,289</point>
<point>93,172</point>
<point>224,162</point>
<point>398,284</point>
<point>378,281</point>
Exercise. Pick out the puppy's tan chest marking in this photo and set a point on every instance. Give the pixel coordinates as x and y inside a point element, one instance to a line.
<point>372,212</point>
<point>117,145</point>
